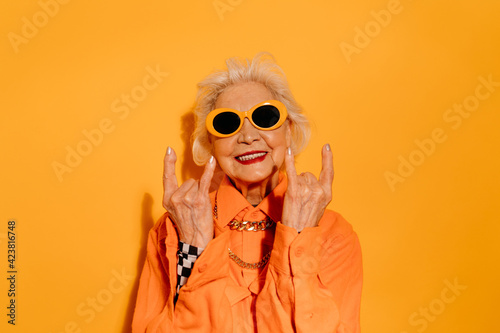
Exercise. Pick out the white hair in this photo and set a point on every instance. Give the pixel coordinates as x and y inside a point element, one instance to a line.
<point>261,69</point>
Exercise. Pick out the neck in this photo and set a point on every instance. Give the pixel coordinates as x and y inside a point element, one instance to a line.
<point>256,192</point>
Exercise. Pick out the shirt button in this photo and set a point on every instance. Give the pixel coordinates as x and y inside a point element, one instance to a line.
<point>202,268</point>
<point>299,251</point>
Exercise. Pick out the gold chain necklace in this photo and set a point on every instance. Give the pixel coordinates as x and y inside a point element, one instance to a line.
<point>246,226</point>
<point>250,225</point>
<point>249,265</point>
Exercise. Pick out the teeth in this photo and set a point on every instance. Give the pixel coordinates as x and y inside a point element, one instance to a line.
<point>250,157</point>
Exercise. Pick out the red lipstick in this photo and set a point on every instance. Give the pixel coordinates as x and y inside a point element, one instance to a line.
<point>251,157</point>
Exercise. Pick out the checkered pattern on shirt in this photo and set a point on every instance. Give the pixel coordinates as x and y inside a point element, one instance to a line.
<point>186,256</point>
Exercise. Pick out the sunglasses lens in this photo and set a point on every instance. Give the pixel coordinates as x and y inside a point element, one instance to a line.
<point>266,116</point>
<point>226,122</point>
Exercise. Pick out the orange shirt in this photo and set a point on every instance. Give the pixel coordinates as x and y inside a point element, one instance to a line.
<point>312,282</point>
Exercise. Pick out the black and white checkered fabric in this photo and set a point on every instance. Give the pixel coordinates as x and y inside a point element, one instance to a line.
<point>186,256</point>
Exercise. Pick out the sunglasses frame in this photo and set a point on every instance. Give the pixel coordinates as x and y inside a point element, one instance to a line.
<point>209,121</point>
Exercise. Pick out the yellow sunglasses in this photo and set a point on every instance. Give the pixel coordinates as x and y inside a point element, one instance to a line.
<point>268,115</point>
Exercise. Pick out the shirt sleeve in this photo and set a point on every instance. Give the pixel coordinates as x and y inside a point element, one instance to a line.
<point>314,280</point>
<point>154,310</point>
<point>186,257</point>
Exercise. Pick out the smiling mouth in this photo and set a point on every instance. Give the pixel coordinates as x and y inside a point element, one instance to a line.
<point>251,157</point>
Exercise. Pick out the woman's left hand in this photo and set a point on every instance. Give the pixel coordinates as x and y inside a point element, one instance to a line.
<point>306,197</point>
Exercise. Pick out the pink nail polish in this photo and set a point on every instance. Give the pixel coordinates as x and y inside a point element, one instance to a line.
<point>169,150</point>
<point>328,147</point>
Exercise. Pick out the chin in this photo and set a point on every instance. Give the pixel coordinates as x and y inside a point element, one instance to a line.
<point>257,178</point>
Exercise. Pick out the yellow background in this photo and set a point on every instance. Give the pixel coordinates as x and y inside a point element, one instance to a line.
<point>75,234</point>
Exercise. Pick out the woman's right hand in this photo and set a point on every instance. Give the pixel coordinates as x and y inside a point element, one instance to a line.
<point>189,205</point>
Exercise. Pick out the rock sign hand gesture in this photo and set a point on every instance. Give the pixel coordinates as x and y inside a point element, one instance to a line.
<point>306,197</point>
<point>189,205</point>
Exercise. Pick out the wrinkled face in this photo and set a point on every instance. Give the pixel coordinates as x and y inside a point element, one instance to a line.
<point>250,156</point>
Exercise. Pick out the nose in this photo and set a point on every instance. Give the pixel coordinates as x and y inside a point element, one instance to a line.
<point>248,133</point>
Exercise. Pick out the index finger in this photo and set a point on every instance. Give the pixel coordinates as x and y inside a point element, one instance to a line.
<point>327,173</point>
<point>208,173</point>
<point>169,178</point>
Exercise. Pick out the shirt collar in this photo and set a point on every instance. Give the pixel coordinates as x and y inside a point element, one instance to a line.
<point>230,201</point>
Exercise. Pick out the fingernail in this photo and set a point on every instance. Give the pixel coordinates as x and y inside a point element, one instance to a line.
<point>328,147</point>
<point>211,159</point>
<point>169,150</point>
<point>289,151</point>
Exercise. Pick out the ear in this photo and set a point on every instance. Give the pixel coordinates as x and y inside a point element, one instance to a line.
<point>289,128</point>
<point>209,143</point>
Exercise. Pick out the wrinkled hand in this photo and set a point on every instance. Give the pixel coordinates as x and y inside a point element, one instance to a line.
<point>306,197</point>
<point>189,205</point>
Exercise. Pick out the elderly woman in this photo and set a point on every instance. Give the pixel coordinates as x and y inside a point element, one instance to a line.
<point>262,253</point>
